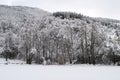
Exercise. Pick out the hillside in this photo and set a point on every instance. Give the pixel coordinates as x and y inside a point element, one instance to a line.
<point>17,13</point>
<point>37,36</point>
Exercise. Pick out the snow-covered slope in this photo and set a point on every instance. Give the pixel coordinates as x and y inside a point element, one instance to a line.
<point>61,38</point>
<point>17,13</point>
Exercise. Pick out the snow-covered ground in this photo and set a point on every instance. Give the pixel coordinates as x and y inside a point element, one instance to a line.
<point>15,62</point>
<point>54,72</point>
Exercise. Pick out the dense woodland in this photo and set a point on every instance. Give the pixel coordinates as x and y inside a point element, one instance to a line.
<point>40,37</point>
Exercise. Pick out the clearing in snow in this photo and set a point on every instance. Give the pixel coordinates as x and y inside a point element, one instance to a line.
<point>55,72</point>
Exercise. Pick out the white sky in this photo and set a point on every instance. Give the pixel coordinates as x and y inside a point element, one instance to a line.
<point>94,8</point>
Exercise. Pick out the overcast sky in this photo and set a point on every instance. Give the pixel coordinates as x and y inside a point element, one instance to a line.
<point>94,8</point>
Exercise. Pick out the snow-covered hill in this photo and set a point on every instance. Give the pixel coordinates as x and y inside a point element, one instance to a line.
<point>17,13</point>
<point>38,36</point>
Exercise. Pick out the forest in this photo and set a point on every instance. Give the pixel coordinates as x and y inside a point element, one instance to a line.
<point>40,37</point>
